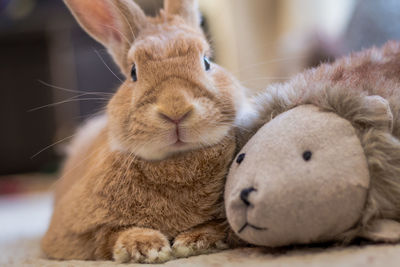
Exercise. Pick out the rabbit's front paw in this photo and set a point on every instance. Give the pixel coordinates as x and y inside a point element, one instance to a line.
<point>142,245</point>
<point>198,241</point>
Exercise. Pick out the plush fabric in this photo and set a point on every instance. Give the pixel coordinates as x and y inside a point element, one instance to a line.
<point>287,200</point>
<point>298,200</point>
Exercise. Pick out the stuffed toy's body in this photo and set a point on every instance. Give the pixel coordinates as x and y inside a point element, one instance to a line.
<point>325,166</point>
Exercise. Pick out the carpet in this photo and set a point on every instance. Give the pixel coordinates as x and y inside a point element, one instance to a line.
<point>26,252</point>
<point>24,218</point>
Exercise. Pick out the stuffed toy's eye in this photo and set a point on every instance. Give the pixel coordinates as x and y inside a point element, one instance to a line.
<point>207,64</point>
<point>240,158</point>
<point>307,155</point>
<point>133,73</point>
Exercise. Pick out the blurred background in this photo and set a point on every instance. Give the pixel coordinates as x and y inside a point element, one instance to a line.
<point>53,75</point>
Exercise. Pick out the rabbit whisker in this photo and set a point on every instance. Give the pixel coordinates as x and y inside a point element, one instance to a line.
<point>105,64</point>
<point>77,165</point>
<point>73,91</point>
<point>72,99</point>
<point>125,18</point>
<point>87,117</point>
<point>118,31</point>
<point>49,146</point>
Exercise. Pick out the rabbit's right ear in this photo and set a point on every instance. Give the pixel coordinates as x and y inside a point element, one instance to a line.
<point>114,23</point>
<point>187,9</point>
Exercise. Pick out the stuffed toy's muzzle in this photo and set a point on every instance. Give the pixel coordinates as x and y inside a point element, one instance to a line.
<point>302,178</point>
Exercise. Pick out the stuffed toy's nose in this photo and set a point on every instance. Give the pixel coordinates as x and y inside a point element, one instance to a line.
<point>244,195</point>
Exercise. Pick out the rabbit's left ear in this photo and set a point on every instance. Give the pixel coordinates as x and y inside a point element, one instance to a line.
<point>114,23</point>
<point>382,230</point>
<point>187,9</point>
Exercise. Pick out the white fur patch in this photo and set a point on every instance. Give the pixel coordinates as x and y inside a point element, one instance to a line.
<point>246,115</point>
<point>87,133</point>
<point>115,145</point>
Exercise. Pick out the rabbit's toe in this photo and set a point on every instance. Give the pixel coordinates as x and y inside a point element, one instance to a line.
<point>189,244</point>
<point>142,245</point>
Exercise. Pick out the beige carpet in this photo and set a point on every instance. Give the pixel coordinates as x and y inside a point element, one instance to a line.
<point>27,253</point>
<point>25,218</point>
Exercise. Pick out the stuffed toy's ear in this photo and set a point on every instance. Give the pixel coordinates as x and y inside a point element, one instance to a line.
<point>382,230</point>
<point>114,23</point>
<point>381,111</point>
<point>187,9</point>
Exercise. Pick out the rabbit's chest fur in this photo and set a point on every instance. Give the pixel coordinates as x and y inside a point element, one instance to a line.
<point>172,195</point>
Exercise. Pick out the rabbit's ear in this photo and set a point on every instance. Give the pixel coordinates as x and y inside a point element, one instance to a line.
<point>187,9</point>
<point>114,23</point>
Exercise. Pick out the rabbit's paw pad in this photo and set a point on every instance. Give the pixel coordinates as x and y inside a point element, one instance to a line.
<point>189,244</point>
<point>148,246</point>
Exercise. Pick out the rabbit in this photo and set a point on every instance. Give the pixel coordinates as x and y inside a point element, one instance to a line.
<point>144,182</point>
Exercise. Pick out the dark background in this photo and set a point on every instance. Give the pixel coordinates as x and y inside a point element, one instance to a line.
<point>42,47</point>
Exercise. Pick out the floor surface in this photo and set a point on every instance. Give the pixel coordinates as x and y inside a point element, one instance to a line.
<point>24,218</point>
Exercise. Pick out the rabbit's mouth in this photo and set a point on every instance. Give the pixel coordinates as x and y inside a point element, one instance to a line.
<point>177,138</point>
<point>179,143</point>
<point>169,142</point>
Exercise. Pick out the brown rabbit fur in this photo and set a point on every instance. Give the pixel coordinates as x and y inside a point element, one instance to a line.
<point>342,88</point>
<point>153,169</point>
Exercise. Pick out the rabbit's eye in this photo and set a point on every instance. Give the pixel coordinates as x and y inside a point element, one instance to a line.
<point>133,73</point>
<point>207,64</point>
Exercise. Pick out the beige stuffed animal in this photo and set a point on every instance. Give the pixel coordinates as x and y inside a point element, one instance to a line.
<point>144,183</point>
<point>326,165</point>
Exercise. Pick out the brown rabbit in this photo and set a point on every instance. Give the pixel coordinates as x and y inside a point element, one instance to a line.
<point>152,170</point>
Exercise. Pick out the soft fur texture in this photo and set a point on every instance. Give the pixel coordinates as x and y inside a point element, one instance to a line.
<point>152,170</point>
<point>364,90</point>
<point>298,201</point>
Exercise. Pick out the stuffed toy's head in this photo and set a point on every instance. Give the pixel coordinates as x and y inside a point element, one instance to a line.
<point>325,166</point>
<point>303,177</point>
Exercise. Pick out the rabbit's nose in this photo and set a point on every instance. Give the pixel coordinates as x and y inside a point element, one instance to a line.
<point>244,195</point>
<point>175,118</point>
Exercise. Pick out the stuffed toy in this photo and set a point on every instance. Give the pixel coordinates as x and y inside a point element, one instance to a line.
<point>325,165</point>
